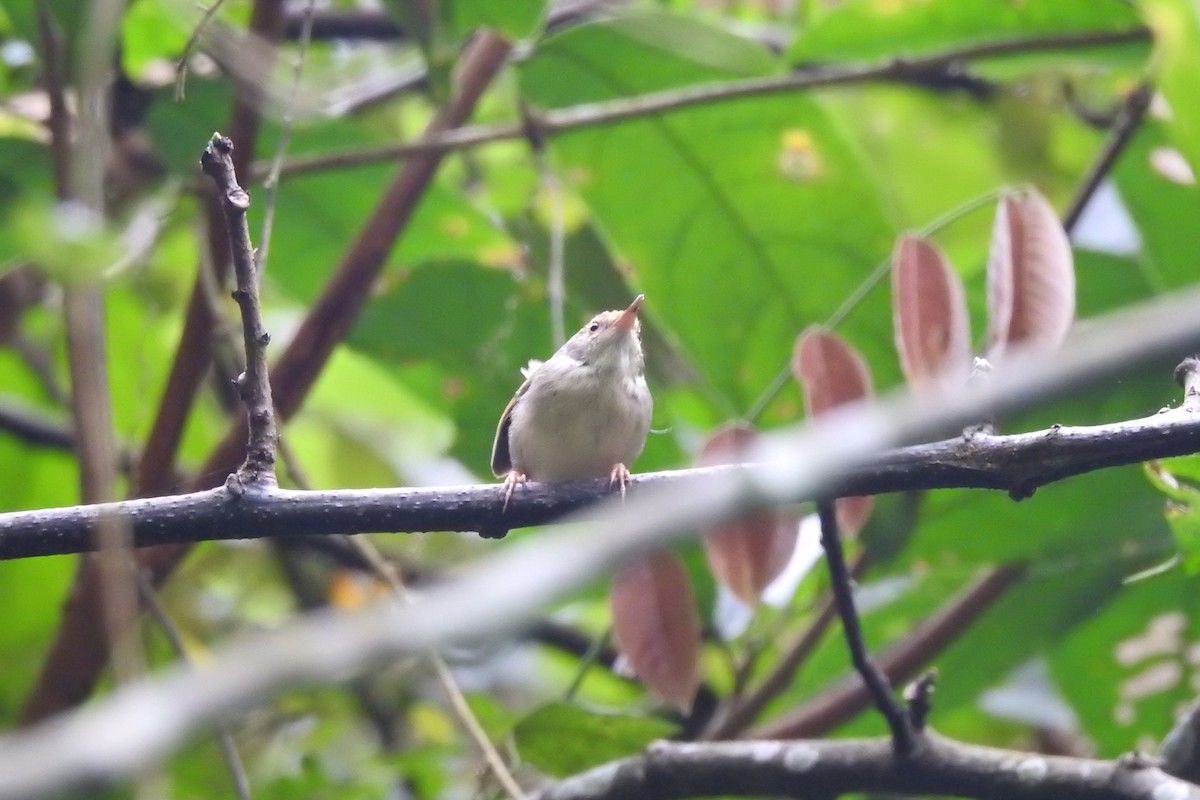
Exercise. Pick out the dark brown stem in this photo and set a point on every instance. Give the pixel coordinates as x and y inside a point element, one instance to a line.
<point>194,354</point>
<point>904,737</point>
<point>900,663</point>
<point>254,384</point>
<point>1127,122</point>
<point>591,114</point>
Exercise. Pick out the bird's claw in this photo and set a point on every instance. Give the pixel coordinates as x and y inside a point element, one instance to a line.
<point>620,477</point>
<point>510,483</point>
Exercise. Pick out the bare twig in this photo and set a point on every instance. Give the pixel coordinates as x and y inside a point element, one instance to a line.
<point>182,64</point>
<point>904,737</point>
<point>254,385</point>
<point>900,663</point>
<point>1127,122</point>
<point>550,123</point>
<point>919,696</point>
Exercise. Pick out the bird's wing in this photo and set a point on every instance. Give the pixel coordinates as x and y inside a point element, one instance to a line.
<point>501,457</point>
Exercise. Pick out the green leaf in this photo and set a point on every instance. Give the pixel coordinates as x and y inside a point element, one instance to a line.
<point>320,214</point>
<point>1177,32</point>
<point>1153,201</point>
<point>868,29</point>
<point>1183,513</point>
<point>1103,514</point>
<point>68,241</point>
<point>743,222</point>
<point>1128,669</point>
<point>562,739</point>
<point>151,30</point>
<point>516,19</point>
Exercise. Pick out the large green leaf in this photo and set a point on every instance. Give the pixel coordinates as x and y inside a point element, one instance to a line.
<point>1101,514</point>
<point>515,19</point>
<point>562,739</point>
<point>744,221</point>
<point>1128,669</point>
<point>1156,203</point>
<point>1176,26</point>
<point>869,29</point>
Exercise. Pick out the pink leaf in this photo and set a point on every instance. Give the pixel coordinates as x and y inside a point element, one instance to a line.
<point>831,372</point>
<point>1031,276</point>
<point>657,627</point>
<point>749,553</point>
<point>929,310</point>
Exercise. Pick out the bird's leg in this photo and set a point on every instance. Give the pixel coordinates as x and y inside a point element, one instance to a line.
<point>510,482</point>
<point>620,477</point>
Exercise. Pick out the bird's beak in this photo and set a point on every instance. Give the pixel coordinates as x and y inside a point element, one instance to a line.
<point>628,318</point>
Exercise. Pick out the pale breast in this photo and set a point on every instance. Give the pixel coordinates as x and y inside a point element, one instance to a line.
<point>577,426</point>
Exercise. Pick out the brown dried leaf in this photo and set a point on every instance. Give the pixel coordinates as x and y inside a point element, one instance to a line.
<point>1031,276</point>
<point>929,310</point>
<point>831,372</point>
<point>746,555</point>
<point>657,628</point>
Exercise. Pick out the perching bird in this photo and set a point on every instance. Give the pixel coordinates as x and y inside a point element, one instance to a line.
<point>584,413</point>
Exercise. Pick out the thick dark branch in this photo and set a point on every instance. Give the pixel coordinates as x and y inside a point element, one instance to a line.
<point>939,766</point>
<point>1018,463</point>
<point>254,385</point>
<point>904,738</point>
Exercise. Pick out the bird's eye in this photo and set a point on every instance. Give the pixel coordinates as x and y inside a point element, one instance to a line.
<point>595,326</point>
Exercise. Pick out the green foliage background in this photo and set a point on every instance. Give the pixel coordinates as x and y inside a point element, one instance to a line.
<point>743,221</point>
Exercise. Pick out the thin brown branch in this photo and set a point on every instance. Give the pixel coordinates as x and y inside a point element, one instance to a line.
<point>940,767</point>
<point>900,663</point>
<point>904,736</point>
<point>194,354</point>
<point>556,121</point>
<point>254,385</point>
<point>1127,122</point>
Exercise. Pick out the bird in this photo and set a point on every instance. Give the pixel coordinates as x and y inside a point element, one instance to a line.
<point>583,413</point>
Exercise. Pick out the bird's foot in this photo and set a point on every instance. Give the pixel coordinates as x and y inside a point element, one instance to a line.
<point>511,480</point>
<point>619,477</point>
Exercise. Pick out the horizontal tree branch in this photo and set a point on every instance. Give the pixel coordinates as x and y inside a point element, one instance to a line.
<point>938,766</point>
<point>1017,463</point>
<point>556,121</point>
<point>140,724</point>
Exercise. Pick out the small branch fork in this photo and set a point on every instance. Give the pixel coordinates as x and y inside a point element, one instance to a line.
<point>254,384</point>
<point>905,730</point>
